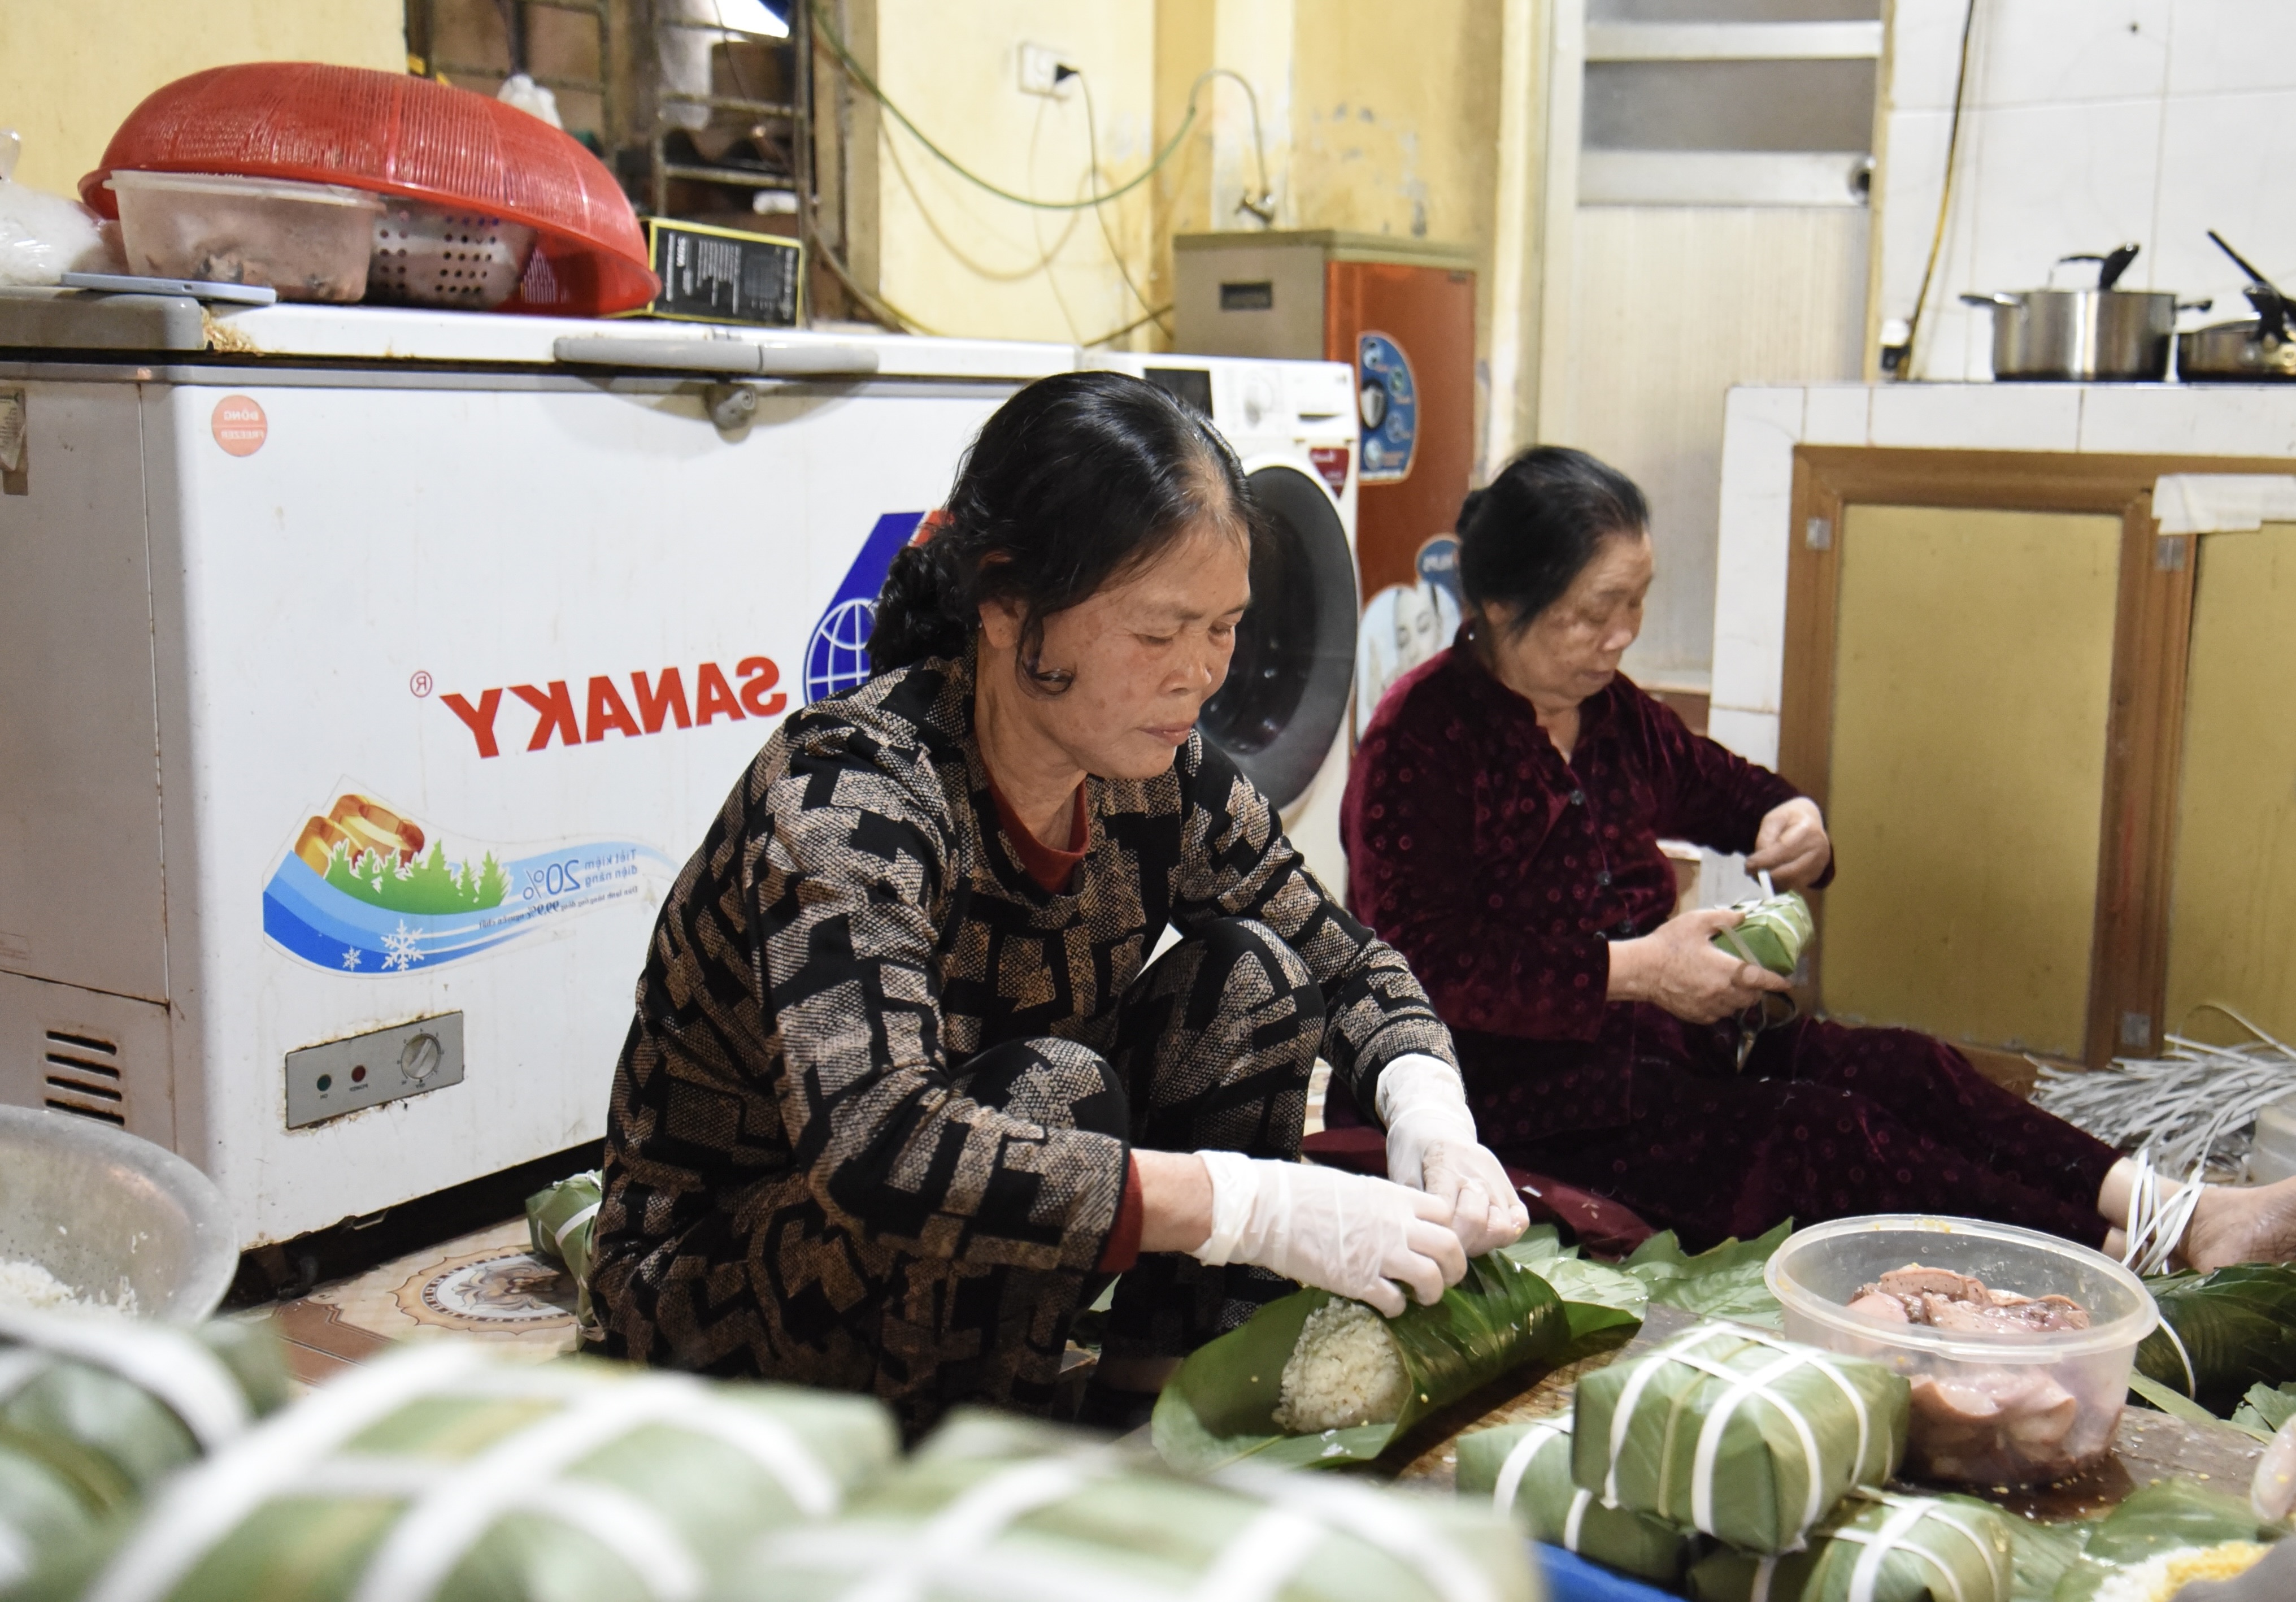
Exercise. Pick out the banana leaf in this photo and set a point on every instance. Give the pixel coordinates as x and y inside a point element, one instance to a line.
<point>445,1472</point>
<point>1775,931</point>
<point>1595,1297</point>
<point>1723,1282</point>
<point>1218,1406</point>
<point>1524,1470</point>
<point>96,1410</point>
<point>2167,1516</point>
<point>2264,1408</point>
<point>995,1507</point>
<point>559,1222</point>
<point>1748,1438</point>
<point>1878,1548</point>
<point>2238,1326</point>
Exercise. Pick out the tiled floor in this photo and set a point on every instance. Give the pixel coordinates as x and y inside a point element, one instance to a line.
<point>485,1285</point>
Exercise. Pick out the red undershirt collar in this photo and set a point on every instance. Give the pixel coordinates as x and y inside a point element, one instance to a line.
<point>1052,871</point>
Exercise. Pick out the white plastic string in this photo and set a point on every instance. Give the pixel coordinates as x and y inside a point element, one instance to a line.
<point>1393,1526</point>
<point>15,1554</point>
<point>1717,1421</point>
<point>190,1381</point>
<point>1260,1560</point>
<point>1765,1572</point>
<point>202,1507</point>
<point>558,1236</point>
<point>20,1366</point>
<point>438,1530</point>
<point>1519,1459</point>
<point>1890,1538</point>
<point>971,1521</point>
<point>1580,1501</point>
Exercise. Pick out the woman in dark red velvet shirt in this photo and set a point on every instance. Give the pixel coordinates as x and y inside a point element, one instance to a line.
<point>1502,823</point>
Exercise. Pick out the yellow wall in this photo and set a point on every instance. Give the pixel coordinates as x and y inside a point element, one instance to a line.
<point>961,260</point>
<point>1369,127</point>
<point>70,70</point>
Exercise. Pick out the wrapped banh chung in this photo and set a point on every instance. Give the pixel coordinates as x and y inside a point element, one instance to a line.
<point>991,1506</point>
<point>1525,1470</point>
<point>1744,1436</point>
<point>1772,933</point>
<point>442,1475</point>
<point>1877,1548</point>
<point>95,1408</point>
<point>560,1220</point>
<point>1313,1380</point>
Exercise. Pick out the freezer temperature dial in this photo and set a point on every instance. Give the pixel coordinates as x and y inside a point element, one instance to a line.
<point>336,1077</point>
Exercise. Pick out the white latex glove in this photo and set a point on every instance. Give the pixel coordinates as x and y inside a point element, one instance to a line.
<point>1344,1233</point>
<point>1431,1146</point>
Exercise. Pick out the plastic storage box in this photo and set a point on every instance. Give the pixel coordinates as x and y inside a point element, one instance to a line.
<point>1992,1410</point>
<point>310,241</point>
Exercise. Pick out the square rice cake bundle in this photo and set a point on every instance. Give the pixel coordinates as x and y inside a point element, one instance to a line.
<point>1525,1471</point>
<point>1746,1437</point>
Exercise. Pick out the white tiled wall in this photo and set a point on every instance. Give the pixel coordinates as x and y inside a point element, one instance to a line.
<point>2088,123</point>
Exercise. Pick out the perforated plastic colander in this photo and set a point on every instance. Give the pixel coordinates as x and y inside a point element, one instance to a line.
<point>393,134</point>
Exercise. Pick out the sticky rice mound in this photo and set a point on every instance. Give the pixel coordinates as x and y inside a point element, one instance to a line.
<point>2160,1579</point>
<point>1345,1369</point>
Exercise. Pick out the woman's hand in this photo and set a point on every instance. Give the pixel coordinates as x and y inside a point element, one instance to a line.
<point>1433,1145</point>
<point>1678,967</point>
<point>1353,1236</point>
<point>1790,846</point>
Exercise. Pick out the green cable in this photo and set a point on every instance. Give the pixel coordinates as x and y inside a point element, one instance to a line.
<point>828,34</point>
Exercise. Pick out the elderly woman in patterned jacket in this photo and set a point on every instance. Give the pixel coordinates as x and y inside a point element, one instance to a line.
<point>904,1089</point>
<point>1502,821</point>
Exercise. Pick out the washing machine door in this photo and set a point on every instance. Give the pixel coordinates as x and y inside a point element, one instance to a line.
<point>1287,684</point>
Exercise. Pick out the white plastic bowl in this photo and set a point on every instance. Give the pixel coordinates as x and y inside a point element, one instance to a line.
<point>1818,1271</point>
<point>118,1220</point>
<point>310,241</point>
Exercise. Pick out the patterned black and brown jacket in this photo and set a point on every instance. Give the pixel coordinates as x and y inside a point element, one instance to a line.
<point>855,926</point>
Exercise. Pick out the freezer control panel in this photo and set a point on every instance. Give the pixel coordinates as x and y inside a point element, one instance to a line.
<point>342,1076</point>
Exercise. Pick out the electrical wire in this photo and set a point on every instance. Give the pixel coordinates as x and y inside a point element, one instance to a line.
<point>1100,213</point>
<point>826,34</point>
<point>1944,193</point>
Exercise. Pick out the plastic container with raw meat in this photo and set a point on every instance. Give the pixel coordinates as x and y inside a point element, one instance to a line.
<point>2013,1408</point>
<point>310,241</point>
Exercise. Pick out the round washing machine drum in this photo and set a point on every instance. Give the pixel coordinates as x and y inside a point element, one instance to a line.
<point>1287,685</point>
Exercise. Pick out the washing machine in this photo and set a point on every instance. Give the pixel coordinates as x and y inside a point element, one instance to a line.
<point>1283,713</point>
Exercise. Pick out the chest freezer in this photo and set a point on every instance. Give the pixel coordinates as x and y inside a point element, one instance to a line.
<point>372,673</point>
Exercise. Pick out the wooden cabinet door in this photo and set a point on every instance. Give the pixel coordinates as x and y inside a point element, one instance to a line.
<point>1985,687</point>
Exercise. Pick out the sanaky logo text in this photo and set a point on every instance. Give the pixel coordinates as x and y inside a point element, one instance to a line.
<point>655,701</point>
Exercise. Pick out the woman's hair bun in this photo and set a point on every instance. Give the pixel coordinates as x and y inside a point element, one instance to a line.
<point>1078,479</point>
<point>1524,536</point>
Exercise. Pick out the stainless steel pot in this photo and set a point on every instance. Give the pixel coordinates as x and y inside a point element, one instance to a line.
<point>2081,333</point>
<point>2240,352</point>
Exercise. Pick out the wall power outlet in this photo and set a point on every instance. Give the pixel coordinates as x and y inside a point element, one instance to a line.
<point>1040,70</point>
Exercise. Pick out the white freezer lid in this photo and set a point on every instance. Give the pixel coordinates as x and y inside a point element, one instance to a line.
<point>54,319</point>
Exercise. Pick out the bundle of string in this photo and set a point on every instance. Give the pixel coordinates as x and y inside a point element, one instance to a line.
<point>2193,1109</point>
<point>1260,206</point>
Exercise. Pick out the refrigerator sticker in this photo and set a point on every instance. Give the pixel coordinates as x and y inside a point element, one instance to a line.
<point>365,890</point>
<point>239,425</point>
<point>1389,404</point>
<point>838,658</point>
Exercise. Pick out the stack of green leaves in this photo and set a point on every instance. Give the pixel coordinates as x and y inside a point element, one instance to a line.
<point>2170,1515</point>
<point>444,1474</point>
<point>1878,1548</point>
<point>1525,1471</point>
<point>995,1507</point>
<point>1219,1405</point>
<point>95,1410</point>
<point>2225,1332</point>
<point>1595,1295</point>
<point>1723,1282</point>
<point>1746,1437</point>
<point>1774,931</point>
<point>559,1222</point>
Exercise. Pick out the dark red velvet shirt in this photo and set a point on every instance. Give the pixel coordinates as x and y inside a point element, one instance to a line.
<point>1501,873</point>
